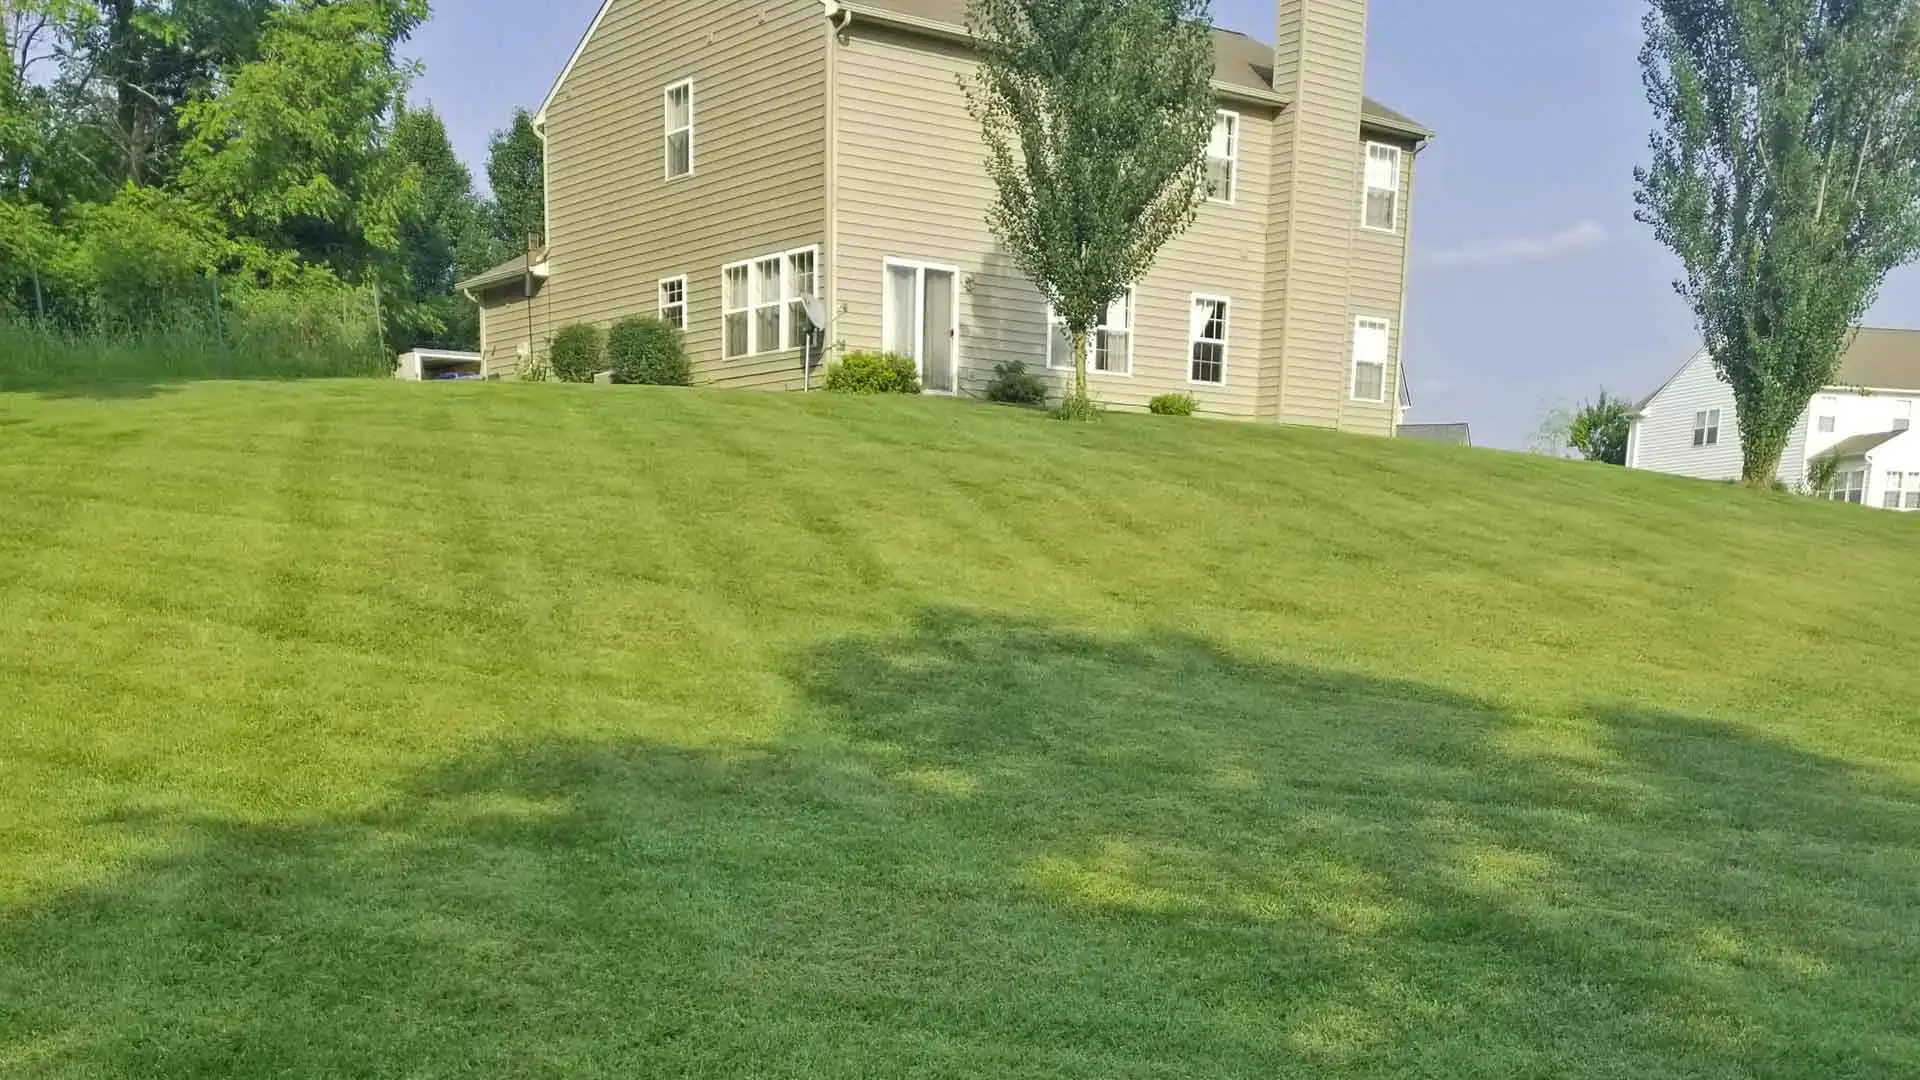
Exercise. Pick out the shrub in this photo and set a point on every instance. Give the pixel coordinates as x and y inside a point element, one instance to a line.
<point>644,351</point>
<point>1013,385</point>
<point>1173,405</point>
<point>1081,409</point>
<point>874,373</point>
<point>576,354</point>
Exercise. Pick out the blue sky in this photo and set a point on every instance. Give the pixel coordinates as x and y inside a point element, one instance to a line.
<point>1532,284</point>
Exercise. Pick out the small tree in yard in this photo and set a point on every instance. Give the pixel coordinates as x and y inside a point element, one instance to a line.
<point>1096,116</point>
<point>1786,176</point>
<point>1600,428</point>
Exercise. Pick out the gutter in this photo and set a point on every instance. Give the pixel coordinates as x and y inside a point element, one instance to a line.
<point>959,35</point>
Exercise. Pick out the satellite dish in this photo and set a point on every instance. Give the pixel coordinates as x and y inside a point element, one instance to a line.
<point>816,311</point>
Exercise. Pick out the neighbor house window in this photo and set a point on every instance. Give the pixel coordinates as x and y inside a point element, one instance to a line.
<point>679,110</point>
<point>1826,425</point>
<point>1849,486</point>
<point>1902,415</point>
<point>1892,498</point>
<point>761,308</point>
<point>736,324</point>
<point>1706,428</point>
<point>1111,349</point>
<point>673,302</point>
<point>1382,210</point>
<point>1223,157</point>
<point>1372,344</point>
<point>1207,349</point>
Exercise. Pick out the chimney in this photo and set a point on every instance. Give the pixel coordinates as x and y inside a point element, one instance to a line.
<point>1319,65</point>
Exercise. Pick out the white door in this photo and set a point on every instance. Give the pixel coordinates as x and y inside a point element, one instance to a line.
<point>922,321</point>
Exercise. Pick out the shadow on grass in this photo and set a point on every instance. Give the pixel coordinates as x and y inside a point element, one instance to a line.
<point>995,848</point>
<point>91,390</point>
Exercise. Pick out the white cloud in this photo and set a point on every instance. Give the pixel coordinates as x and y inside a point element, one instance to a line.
<point>1582,237</point>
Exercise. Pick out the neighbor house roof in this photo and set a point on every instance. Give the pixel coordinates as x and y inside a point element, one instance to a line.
<point>1241,63</point>
<point>514,269</point>
<point>1450,434</point>
<point>1878,359</point>
<point>1861,445</point>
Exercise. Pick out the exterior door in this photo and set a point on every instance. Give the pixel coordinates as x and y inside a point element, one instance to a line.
<point>922,321</point>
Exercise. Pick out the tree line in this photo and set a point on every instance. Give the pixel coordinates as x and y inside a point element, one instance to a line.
<point>166,159</point>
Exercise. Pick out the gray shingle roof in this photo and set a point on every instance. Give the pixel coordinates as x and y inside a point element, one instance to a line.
<point>1861,445</point>
<point>1882,360</point>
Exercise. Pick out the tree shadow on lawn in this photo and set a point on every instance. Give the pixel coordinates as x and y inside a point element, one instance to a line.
<point>995,848</point>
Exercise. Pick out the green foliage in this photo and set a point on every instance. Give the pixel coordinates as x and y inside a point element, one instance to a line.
<point>516,170</point>
<point>444,236</point>
<point>874,373</point>
<point>1173,405</point>
<point>647,352</point>
<point>1822,472</point>
<point>1013,384</point>
<point>1096,117</point>
<point>1786,178</point>
<point>143,255</point>
<point>1078,408</point>
<point>1599,429</point>
<point>578,353</point>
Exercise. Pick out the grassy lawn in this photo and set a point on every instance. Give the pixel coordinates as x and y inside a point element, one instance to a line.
<point>374,730</point>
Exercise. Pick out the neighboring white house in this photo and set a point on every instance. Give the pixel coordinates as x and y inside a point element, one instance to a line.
<point>1689,426</point>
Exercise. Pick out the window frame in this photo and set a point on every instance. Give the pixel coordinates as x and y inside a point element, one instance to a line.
<point>1232,158</point>
<point>669,131</point>
<point>1827,425</point>
<point>1055,324</point>
<point>684,304</point>
<point>1194,340</point>
<point>1893,492</point>
<point>784,298</point>
<point>1385,326</point>
<point>1706,428</point>
<point>1367,187</point>
<point>1849,486</point>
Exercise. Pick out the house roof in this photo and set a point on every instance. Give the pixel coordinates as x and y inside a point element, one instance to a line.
<point>1449,434</point>
<point>1241,63</point>
<point>1878,359</point>
<point>1861,445</point>
<point>514,269</point>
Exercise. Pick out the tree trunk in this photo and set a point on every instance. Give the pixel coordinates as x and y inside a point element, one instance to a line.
<point>1760,453</point>
<point>1080,365</point>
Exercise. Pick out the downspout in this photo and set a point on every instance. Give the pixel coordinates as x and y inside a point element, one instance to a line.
<point>838,20</point>
<point>1406,266</point>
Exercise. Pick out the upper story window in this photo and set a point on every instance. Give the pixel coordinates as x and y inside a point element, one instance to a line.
<point>1382,209</point>
<point>1111,349</point>
<point>1902,415</point>
<point>1827,424</point>
<point>1372,344</point>
<point>1706,428</point>
<point>1223,158</point>
<point>673,302</point>
<point>1207,348</point>
<point>679,121</point>
<point>761,305</point>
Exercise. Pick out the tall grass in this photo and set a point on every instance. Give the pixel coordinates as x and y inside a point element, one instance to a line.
<point>263,336</point>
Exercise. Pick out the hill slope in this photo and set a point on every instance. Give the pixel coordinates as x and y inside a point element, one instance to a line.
<point>383,730</point>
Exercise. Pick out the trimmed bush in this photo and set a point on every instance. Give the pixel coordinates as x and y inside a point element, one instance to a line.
<point>644,351</point>
<point>577,354</point>
<point>1173,405</point>
<point>1013,385</point>
<point>874,373</point>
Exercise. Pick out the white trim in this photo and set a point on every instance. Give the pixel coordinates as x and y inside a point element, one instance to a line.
<point>1367,186</point>
<point>746,309</point>
<point>920,270</point>
<point>685,305</point>
<point>783,300</point>
<point>1132,296</point>
<point>1386,361</point>
<point>667,132</point>
<point>1232,158</point>
<point>1707,428</point>
<point>1226,336</point>
<point>593,28</point>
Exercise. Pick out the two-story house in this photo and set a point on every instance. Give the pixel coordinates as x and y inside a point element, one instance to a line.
<point>717,163</point>
<point>1689,426</point>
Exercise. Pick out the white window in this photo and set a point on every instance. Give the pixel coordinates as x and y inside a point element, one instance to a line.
<point>1372,344</point>
<point>1891,499</point>
<point>1207,340</point>
<point>1112,345</point>
<point>679,120</point>
<point>1902,415</point>
<point>1223,158</point>
<point>1706,428</point>
<point>673,302</point>
<point>1849,486</point>
<point>1382,208</point>
<point>760,302</point>
<point>1826,425</point>
<point>736,324</point>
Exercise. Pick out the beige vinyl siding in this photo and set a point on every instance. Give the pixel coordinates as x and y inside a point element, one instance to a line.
<point>911,184</point>
<point>618,226</point>
<point>1321,68</point>
<point>1378,263</point>
<point>508,320</point>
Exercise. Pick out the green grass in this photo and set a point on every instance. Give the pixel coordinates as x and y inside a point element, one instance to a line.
<point>277,338</point>
<point>373,730</point>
